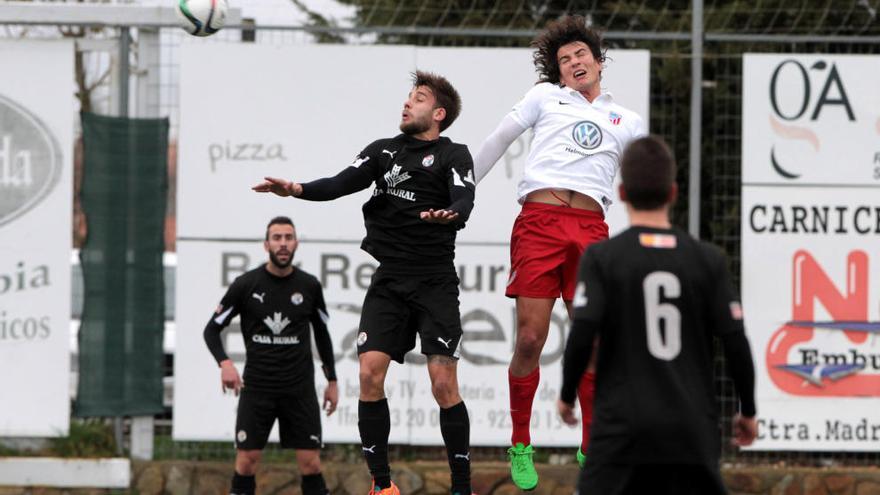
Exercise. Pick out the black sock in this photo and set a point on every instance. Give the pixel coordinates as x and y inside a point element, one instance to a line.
<point>374,423</point>
<point>456,429</point>
<point>313,484</point>
<point>243,485</point>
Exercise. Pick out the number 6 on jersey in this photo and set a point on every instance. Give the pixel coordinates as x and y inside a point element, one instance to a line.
<point>667,285</point>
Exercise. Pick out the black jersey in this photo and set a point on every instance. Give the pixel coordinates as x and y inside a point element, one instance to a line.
<point>410,176</point>
<point>655,297</point>
<point>276,313</point>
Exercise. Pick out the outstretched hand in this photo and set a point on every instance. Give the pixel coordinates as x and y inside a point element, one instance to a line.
<point>439,216</point>
<point>279,187</point>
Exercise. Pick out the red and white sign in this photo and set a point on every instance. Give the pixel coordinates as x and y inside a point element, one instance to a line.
<point>810,250</point>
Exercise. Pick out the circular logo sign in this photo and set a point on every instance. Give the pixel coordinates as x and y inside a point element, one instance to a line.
<point>296,298</point>
<point>587,135</point>
<point>362,337</point>
<point>242,435</point>
<point>30,160</point>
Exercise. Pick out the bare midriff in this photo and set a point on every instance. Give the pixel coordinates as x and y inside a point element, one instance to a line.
<point>564,197</point>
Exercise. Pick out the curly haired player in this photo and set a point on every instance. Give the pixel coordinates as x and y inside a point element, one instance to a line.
<point>579,134</point>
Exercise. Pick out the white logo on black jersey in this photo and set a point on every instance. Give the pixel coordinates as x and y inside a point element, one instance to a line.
<point>428,161</point>
<point>459,181</point>
<point>469,177</point>
<point>316,438</point>
<point>393,177</point>
<point>371,449</point>
<point>362,338</point>
<point>277,324</point>
<point>392,153</point>
<point>358,161</point>
<point>296,298</point>
<point>221,318</point>
<point>242,436</point>
<point>258,297</point>
<point>466,456</point>
<point>445,342</point>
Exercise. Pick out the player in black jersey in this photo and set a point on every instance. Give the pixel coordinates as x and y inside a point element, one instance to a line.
<point>277,303</point>
<point>424,193</point>
<point>656,298</point>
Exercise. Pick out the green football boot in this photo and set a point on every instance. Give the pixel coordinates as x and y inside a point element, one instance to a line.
<point>522,468</point>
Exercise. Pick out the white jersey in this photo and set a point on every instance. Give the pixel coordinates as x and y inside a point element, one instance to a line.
<point>577,144</point>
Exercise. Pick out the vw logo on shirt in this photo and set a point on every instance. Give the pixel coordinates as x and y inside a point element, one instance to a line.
<point>587,134</point>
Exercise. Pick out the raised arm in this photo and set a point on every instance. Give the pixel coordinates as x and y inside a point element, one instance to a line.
<point>496,144</point>
<point>350,180</point>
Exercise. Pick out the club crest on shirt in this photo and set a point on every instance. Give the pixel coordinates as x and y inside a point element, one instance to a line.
<point>296,298</point>
<point>241,436</point>
<point>362,338</point>
<point>428,161</point>
<point>614,118</point>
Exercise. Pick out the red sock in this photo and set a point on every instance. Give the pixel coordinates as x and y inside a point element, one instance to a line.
<point>522,393</point>
<point>586,391</point>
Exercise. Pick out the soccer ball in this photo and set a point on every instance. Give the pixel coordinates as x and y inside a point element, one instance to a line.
<point>201,17</point>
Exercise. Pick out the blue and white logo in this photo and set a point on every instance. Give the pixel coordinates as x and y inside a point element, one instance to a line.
<point>587,134</point>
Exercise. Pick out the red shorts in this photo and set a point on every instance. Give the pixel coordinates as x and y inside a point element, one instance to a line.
<point>546,247</point>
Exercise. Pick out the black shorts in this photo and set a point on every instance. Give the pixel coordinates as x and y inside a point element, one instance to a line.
<point>298,415</point>
<point>659,479</point>
<point>399,306</point>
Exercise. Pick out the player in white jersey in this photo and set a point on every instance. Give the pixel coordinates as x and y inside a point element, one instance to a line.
<point>579,135</point>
